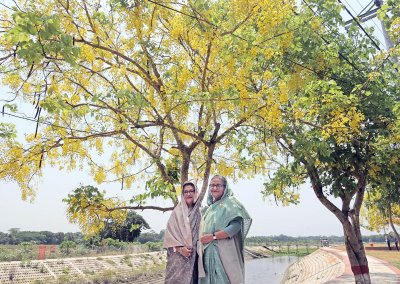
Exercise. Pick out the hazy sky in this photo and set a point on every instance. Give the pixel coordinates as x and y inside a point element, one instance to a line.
<point>47,212</point>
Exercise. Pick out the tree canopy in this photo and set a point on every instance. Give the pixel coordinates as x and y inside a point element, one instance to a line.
<point>143,91</point>
<point>333,127</point>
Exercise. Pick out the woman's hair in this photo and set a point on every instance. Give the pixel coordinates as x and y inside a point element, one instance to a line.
<point>222,178</point>
<point>188,183</point>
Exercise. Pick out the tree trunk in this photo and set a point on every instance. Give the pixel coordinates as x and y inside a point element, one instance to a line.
<point>356,253</point>
<point>391,221</point>
<point>349,218</point>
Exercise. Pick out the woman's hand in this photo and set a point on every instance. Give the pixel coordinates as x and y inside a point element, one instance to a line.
<point>207,238</point>
<point>184,251</point>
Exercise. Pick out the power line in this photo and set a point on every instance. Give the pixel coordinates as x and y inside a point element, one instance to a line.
<point>372,21</point>
<point>361,27</point>
<point>366,7</point>
<point>93,132</point>
<point>379,28</point>
<point>327,42</point>
<point>387,58</point>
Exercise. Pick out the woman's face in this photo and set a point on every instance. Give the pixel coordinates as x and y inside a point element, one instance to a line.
<point>217,188</point>
<point>188,194</point>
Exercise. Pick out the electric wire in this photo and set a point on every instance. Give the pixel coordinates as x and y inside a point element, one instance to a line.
<point>360,26</point>
<point>373,22</point>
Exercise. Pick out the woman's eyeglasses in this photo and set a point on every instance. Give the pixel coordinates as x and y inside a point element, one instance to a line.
<point>186,192</point>
<point>216,185</point>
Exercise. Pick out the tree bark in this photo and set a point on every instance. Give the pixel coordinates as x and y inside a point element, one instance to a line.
<point>391,220</point>
<point>356,253</point>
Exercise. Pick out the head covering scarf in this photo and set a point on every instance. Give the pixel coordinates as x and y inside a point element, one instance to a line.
<point>178,232</point>
<point>225,210</point>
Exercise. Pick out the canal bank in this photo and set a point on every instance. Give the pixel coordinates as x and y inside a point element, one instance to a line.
<point>329,265</point>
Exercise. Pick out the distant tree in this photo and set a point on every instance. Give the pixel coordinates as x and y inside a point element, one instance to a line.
<point>66,246</point>
<point>381,211</point>
<point>14,235</point>
<point>150,236</point>
<point>76,237</point>
<point>128,230</point>
<point>58,237</point>
<point>4,238</point>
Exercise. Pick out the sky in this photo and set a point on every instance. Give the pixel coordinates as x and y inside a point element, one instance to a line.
<point>48,212</point>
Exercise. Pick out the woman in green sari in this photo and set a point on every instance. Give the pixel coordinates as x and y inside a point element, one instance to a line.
<point>224,227</point>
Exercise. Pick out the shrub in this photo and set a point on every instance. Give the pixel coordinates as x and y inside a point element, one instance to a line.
<point>152,246</point>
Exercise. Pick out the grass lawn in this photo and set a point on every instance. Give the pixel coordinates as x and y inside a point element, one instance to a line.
<point>391,256</point>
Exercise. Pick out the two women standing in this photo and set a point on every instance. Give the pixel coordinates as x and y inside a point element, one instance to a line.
<point>225,224</point>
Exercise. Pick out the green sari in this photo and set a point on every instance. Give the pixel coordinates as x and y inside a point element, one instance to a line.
<point>223,260</point>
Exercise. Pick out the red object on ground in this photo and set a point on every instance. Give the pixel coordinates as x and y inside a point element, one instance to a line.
<point>52,249</point>
<point>42,252</point>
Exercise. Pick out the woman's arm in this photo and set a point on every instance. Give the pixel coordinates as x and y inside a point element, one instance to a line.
<point>232,229</point>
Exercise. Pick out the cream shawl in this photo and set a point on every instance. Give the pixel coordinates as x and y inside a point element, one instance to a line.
<point>178,232</point>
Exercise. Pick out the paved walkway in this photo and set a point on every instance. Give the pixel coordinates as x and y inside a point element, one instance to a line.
<point>332,266</point>
<point>381,272</point>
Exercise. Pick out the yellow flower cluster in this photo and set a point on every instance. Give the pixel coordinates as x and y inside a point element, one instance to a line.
<point>343,124</point>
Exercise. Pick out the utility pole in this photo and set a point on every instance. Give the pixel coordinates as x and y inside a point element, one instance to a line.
<point>370,12</point>
<point>388,41</point>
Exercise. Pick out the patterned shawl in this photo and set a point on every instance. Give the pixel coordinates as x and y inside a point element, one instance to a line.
<point>178,232</point>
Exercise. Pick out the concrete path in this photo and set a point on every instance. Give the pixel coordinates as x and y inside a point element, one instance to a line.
<point>329,265</point>
<point>381,271</point>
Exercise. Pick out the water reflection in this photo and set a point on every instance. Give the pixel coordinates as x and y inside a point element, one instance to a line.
<point>267,270</point>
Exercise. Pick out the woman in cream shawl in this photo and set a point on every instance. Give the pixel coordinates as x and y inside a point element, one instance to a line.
<point>224,227</point>
<point>181,238</point>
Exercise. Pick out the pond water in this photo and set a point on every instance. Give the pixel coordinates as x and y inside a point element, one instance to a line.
<point>267,270</point>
